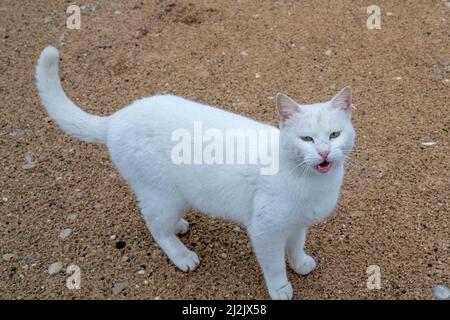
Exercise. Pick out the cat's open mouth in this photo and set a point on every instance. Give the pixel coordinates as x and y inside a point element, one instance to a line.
<point>323,167</point>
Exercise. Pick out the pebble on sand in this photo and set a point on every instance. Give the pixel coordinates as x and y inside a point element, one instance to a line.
<point>428,143</point>
<point>30,163</point>
<point>16,133</point>
<point>8,256</point>
<point>121,244</point>
<point>119,287</point>
<point>79,194</point>
<point>55,267</point>
<point>65,233</point>
<point>441,292</point>
<point>27,260</point>
<point>72,217</point>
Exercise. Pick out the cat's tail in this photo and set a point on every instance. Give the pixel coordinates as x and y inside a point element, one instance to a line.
<point>70,118</point>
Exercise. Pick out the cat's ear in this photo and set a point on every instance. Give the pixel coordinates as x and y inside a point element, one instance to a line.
<point>343,100</point>
<point>285,106</point>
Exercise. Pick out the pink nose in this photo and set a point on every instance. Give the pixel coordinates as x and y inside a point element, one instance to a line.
<point>324,154</point>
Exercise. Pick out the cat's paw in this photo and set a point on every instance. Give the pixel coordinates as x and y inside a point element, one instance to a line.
<point>304,265</point>
<point>182,227</point>
<point>187,262</point>
<point>286,292</point>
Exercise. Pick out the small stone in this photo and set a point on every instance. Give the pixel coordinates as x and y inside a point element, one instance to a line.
<point>244,53</point>
<point>104,46</point>
<point>113,237</point>
<point>81,52</point>
<point>28,166</point>
<point>141,272</point>
<point>357,214</point>
<point>437,74</point>
<point>27,260</point>
<point>389,14</point>
<point>8,256</point>
<point>72,217</point>
<point>428,143</point>
<point>328,53</point>
<point>126,259</point>
<point>65,233</point>
<point>119,287</point>
<point>237,229</point>
<point>79,194</point>
<point>121,244</point>
<point>12,271</point>
<point>257,76</point>
<point>30,163</point>
<point>157,298</point>
<point>141,32</point>
<point>98,206</point>
<point>17,133</point>
<point>397,78</point>
<point>62,41</point>
<point>436,41</point>
<point>441,292</point>
<point>55,267</point>
<point>117,12</point>
<point>223,255</point>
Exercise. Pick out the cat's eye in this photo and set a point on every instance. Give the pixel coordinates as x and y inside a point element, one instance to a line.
<point>335,134</point>
<point>307,138</point>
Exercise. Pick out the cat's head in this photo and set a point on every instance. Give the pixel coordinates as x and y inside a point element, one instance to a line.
<point>317,136</point>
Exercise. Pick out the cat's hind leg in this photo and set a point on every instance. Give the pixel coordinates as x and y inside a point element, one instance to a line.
<point>182,227</point>
<point>163,217</point>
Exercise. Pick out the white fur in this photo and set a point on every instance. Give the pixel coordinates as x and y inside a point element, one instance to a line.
<point>276,210</point>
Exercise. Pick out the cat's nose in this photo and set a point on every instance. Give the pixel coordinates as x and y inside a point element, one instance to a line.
<point>324,154</point>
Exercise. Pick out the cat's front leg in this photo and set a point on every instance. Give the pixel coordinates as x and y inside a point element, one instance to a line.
<point>299,261</point>
<point>269,249</point>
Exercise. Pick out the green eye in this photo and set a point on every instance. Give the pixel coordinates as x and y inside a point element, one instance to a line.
<point>335,134</point>
<point>308,139</point>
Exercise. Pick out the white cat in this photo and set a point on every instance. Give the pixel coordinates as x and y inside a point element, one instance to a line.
<point>275,209</point>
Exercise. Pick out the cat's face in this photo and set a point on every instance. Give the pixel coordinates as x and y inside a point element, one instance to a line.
<point>317,136</point>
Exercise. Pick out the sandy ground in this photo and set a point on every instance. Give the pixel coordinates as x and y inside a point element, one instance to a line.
<point>394,209</point>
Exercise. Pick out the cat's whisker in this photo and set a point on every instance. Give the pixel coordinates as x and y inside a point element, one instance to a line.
<point>297,166</point>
